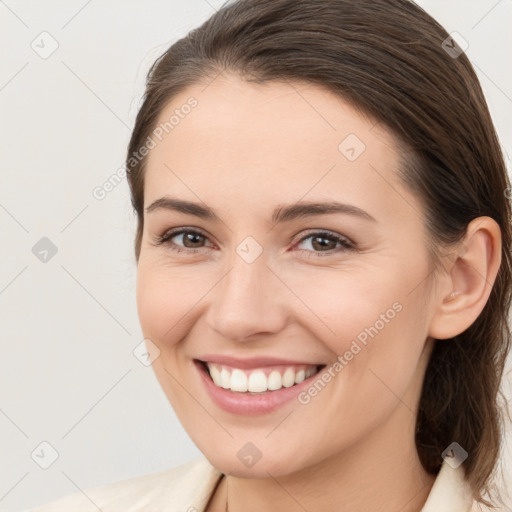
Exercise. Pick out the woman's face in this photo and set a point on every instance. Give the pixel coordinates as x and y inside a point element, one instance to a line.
<point>273,285</point>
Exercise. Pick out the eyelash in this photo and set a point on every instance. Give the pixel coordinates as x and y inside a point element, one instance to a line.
<point>347,245</point>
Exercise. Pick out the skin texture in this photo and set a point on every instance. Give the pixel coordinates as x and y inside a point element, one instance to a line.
<point>243,150</point>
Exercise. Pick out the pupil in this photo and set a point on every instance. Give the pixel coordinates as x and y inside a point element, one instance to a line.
<point>190,236</point>
<point>323,239</point>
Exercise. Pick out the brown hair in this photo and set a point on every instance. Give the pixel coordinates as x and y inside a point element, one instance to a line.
<point>395,63</point>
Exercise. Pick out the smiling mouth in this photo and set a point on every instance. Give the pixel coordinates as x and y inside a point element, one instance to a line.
<point>258,380</point>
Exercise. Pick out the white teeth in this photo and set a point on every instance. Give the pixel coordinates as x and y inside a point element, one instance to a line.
<point>289,378</point>
<point>310,372</point>
<point>300,376</point>
<point>215,375</point>
<point>238,381</point>
<point>274,381</point>
<point>256,381</point>
<point>225,379</point>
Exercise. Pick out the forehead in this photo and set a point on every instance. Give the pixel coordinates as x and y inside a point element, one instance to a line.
<point>263,142</point>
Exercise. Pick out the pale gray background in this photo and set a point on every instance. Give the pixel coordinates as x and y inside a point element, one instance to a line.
<point>67,372</point>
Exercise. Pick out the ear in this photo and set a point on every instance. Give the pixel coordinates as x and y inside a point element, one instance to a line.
<point>463,290</point>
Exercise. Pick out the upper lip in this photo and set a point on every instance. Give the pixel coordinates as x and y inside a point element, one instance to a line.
<point>253,362</point>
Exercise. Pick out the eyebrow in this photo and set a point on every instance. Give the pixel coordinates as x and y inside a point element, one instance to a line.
<point>282,213</point>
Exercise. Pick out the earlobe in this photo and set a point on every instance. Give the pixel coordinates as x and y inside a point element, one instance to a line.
<point>469,279</point>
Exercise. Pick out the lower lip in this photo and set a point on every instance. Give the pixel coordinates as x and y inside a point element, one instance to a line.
<point>251,405</point>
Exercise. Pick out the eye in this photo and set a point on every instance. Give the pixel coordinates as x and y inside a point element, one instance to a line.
<point>189,237</point>
<point>324,243</point>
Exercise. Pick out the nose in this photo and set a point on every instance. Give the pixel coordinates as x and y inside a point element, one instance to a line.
<point>248,301</point>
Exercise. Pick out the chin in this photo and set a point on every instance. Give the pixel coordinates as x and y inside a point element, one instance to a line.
<point>263,468</point>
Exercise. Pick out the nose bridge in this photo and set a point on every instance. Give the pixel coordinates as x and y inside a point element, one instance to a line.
<point>246,299</point>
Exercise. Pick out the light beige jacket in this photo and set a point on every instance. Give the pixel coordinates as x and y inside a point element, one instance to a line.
<point>188,488</point>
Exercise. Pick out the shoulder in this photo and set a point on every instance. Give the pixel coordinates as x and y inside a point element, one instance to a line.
<point>185,487</point>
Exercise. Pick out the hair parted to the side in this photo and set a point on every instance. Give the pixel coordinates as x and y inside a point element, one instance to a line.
<point>386,58</point>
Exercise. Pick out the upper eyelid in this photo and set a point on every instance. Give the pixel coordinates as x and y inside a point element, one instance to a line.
<point>319,231</point>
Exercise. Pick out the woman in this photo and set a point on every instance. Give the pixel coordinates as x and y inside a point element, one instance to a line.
<point>324,263</point>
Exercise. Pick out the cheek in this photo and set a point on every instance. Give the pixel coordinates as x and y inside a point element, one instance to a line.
<point>345,303</point>
<point>165,305</point>
<point>165,301</point>
<point>369,321</point>
<point>377,359</point>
